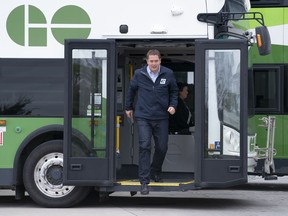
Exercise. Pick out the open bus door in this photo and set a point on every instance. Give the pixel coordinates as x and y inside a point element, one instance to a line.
<point>221,112</point>
<point>221,115</point>
<point>89,119</point>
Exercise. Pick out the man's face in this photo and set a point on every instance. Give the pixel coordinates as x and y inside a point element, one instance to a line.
<point>154,62</point>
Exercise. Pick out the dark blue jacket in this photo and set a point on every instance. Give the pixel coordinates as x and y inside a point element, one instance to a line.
<point>153,99</point>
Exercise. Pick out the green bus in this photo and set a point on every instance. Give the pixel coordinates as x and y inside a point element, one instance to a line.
<point>63,80</point>
<point>270,91</point>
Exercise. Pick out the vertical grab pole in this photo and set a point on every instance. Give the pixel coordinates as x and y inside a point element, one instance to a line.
<point>130,71</point>
<point>118,121</point>
<point>132,120</point>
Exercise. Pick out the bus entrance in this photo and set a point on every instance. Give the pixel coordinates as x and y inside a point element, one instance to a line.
<point>217,147</point>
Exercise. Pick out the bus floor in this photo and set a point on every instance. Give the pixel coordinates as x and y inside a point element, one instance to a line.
<point>127,180</point>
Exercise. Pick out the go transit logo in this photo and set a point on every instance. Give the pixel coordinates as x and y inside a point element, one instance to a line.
<point>27,25</point>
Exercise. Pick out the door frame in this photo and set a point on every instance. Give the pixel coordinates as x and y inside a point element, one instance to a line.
<point>97,171</point>
<point>207,170</point>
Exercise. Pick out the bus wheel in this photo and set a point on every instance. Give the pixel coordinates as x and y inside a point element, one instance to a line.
<point>43,177</point>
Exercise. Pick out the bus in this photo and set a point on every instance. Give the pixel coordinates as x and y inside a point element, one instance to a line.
<point>64,73</point>
<point>270,91</point>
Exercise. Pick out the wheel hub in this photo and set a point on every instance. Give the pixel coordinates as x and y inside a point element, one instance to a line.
<point>48,176</point>
<point>54,175</point>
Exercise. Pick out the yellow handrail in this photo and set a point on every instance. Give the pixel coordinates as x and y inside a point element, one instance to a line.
<point>118,121</point>
<point>130,71</point>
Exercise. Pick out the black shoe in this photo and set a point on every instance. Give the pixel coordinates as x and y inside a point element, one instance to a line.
<point>144,189</point>
<point>156,178</point>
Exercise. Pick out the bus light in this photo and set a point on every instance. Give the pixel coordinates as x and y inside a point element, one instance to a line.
<point>263,40</point>
<point>2,122</point>
<point>259,41</point>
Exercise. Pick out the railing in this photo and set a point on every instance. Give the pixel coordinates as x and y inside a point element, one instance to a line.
<point>269,152</point>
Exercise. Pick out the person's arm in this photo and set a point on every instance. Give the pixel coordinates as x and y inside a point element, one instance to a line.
<point>173,94</point>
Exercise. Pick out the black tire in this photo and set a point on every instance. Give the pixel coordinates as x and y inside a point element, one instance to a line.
<point>43,177</point>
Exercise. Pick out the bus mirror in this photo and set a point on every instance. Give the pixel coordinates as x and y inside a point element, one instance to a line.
<point>263,40</point>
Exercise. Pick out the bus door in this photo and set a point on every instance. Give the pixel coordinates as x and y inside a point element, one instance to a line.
<point>89,121</point>
<point>221,112</point>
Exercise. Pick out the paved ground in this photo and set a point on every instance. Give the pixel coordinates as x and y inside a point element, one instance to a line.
<point>257,198</point>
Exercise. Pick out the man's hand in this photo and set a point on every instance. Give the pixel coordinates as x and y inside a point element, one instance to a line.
<point>129,113</point>
<point>171,110</point>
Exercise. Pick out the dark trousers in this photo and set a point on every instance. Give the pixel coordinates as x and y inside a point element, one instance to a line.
<point>158,129</point>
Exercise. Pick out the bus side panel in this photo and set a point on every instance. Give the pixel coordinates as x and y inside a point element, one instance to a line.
<point>6,179</point>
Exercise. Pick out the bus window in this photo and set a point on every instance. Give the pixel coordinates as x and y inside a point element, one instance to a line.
<point>285,90</point>
<point>31,87</point>
<point>265,2</point>
<point>267,84</point>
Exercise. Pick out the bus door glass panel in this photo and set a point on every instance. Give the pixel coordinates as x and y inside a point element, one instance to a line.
<point>89,99</point>
<point>221,112</point>
<point>222,95</point>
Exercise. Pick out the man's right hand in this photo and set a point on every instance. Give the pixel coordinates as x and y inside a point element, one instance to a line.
<point>129,113</point>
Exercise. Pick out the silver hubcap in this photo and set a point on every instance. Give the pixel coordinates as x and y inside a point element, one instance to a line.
<point>48,176</point>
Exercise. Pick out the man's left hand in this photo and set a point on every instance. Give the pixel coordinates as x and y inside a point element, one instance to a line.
<point>171,110</point>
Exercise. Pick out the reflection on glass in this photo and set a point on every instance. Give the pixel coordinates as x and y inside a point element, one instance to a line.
<point>89,101</point>
<point>222,103</point>
<point>32,87</point>
<point>266,86</point>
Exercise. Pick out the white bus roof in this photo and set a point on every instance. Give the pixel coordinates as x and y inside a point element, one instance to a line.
<point>36,29</point>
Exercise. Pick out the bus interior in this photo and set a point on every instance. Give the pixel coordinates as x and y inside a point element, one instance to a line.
<point>178,166</point>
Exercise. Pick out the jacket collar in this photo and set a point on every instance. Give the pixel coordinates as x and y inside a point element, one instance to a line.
<point>145,69</point>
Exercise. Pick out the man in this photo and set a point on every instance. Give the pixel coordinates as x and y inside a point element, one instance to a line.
<point>157,96</point>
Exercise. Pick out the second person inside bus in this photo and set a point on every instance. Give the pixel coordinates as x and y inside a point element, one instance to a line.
<point>182,120</point>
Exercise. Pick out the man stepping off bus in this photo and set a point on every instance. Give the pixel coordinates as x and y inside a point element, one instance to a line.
<point>157,97</point>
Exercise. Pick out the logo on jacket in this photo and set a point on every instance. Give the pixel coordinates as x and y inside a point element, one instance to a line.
<point>162,81</point>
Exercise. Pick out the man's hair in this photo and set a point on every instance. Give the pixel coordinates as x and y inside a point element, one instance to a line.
<point>153,52</point>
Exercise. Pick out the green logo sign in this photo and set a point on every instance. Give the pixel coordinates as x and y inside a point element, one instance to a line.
<point>28,26</point>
